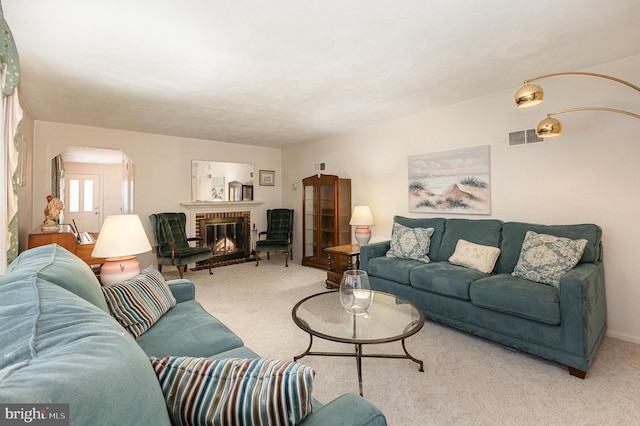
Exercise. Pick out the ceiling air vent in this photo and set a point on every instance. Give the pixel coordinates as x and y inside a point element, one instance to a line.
<point>523,137</point>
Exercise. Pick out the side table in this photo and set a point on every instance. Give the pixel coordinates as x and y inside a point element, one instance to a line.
<point>340,260</point>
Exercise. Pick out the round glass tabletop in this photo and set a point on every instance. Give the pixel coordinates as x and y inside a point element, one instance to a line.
<point>389,318</point>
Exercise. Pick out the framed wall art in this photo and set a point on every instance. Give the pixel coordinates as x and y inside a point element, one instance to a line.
<point>456,181</point>
<point>267,177</point>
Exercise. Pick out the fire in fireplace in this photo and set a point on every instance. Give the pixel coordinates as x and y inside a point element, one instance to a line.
<point>227,236</point>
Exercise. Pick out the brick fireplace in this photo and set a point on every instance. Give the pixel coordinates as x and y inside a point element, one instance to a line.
<point>225,226</point>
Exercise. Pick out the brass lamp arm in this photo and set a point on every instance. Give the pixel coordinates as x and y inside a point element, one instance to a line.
<point>590,74</point>
<point>619,111</point>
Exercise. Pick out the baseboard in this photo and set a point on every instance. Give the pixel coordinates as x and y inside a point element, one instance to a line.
<point>622,336</point>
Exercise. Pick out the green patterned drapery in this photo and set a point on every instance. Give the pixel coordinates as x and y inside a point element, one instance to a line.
<point>11,117</point>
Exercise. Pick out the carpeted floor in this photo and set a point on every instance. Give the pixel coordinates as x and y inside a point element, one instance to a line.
<point>467,380</point>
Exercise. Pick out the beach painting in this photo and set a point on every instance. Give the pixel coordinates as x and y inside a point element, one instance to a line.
<point>456,181</point>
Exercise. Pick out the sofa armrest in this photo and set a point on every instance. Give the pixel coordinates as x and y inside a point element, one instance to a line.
<point>182,290</point>
<point>369,251</point>
<point>349,409</point>
<point>583,307</point>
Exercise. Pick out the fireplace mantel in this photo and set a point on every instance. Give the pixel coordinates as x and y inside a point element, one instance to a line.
<point>199,205</point>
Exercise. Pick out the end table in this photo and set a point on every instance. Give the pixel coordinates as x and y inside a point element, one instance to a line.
<point>340,260</point>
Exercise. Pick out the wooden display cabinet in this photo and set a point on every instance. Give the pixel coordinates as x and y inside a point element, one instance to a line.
<point>326,211</point>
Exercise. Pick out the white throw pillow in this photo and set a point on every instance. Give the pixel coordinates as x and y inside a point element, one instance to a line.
<point>475,256</point>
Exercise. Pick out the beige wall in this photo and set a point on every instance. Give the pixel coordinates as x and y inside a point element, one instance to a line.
<point>162,167</point>
<point>589,174</point>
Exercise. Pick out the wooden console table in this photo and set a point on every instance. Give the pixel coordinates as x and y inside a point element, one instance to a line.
<point>67,239</point>
<point>340,260</point>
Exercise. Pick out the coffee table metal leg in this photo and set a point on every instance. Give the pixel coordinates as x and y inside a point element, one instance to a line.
<point>306,352</point>
<point>359,365</point>
<point>420,363</point>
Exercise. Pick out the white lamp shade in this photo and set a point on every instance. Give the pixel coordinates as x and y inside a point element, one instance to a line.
<point>361,216</point>
<point>121,235</point>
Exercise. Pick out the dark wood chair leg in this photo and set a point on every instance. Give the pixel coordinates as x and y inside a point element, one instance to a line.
<point>268,256</point>
<point>181,269</point>
<point>286,259</point>
<point>159,268</point>
<point>210,266</point>
<point>257,258</point>
<point>578,373</point>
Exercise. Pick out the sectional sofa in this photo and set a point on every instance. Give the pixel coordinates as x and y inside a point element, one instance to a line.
<point>562,322</point>
<point>60,343</point>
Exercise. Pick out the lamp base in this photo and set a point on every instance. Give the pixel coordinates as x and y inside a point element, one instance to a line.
<point>363,235</point>
<point>118,269</point>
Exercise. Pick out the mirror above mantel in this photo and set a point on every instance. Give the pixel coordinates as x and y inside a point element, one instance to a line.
<point>214,181</point>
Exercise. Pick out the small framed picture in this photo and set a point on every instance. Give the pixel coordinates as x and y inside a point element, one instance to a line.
<point>267,177</point>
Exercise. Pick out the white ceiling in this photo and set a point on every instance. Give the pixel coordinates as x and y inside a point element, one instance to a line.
<point>278,72</point>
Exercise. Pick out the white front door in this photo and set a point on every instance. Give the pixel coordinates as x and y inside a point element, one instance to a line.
<point>83,201</point>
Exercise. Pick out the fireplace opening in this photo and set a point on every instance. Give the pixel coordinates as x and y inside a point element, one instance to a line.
<point>228,237</point>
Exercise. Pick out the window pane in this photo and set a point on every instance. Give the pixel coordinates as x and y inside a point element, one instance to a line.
<point>88,195</point>
<point>74,195</point>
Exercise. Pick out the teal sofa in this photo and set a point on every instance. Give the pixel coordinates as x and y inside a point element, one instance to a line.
<point>564,325</point>
<point>59,344</point>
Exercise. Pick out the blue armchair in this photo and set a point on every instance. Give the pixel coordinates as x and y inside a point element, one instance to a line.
<point>172,245</point>
<point>279,235</point>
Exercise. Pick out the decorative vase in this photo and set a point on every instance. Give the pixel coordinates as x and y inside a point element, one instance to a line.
<point>355,291</point>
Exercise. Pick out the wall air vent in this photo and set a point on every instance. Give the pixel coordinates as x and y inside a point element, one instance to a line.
<point>524,137</point>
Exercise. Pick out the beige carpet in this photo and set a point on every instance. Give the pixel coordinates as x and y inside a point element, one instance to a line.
<point>467,380</point>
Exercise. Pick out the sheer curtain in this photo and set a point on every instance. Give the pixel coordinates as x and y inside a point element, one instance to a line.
<point>11,115</point>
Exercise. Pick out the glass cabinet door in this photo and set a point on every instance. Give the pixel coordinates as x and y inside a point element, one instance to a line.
<point>327,218</point>
<point>310,231</point>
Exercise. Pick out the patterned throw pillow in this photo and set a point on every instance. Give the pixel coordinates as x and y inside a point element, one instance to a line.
<point>545,258</point>
<point>233,391</point>
<point>475,256</point>
<point>139,302</point>
<point>410,243</point>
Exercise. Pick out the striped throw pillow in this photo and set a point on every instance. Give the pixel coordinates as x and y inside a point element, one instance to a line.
<point>234,391</point>
<point>139,302</point>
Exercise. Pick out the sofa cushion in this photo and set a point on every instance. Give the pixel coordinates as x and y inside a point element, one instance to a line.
<point>445,278</point>
<point>485,232</point>
<point>475,256</point>
<point>60,348</point>
<point>513,235</point>
<point>392,268</point>
<point>410,243</point>
<point>259,391</point>
<point>515,296</point>
<point>139,302</point>
<point>188,330</point>
<point>438,225</point>
<point>545,258</point>
<point>59,266</point>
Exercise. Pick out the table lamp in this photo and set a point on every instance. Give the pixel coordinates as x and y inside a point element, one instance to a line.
<point>121,238</point>
<point>362,219</point>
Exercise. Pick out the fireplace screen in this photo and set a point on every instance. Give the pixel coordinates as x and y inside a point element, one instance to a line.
<point>228,237</point>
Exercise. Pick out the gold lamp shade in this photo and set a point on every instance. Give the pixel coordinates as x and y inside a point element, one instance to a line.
<point>529,95</point>
<point>549,128</point>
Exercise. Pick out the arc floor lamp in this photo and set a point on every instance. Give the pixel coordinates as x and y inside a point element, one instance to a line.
<point>531,95</point>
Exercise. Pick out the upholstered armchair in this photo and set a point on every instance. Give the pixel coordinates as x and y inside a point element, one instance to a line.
<point>278,236</point>
<point>172,245</point>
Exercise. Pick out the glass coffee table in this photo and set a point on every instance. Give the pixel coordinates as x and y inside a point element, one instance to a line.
<point>390,318</point>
